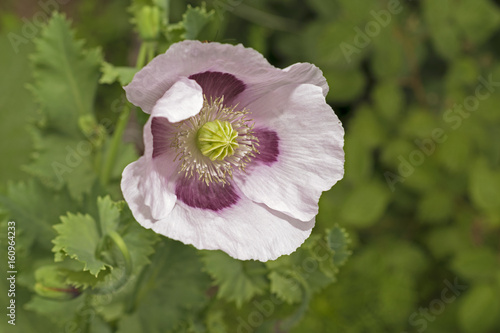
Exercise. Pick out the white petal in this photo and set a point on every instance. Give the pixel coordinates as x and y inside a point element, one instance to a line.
<point>191,57</point>
<point>311,158</point>
<point>299,73</point>
<point>245,230</point>
<point>308,73</point>
<point>183,100</point>
<point>145,183</point>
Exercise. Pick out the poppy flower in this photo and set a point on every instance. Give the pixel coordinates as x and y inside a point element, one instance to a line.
<point>237,152</point>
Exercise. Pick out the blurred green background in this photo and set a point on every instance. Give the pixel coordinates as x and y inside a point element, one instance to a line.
<point>416,85</point>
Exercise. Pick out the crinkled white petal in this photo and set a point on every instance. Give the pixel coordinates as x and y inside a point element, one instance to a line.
<point>310,74</point>
<point>144,182</point>
<point>183,100</point>
<point>191,57</point>
<point>311,158</point>
<point>245,230</point>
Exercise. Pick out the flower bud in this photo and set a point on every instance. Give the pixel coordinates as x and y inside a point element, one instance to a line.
<point>50,283</point>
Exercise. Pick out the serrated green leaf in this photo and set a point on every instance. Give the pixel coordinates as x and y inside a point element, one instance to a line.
<point>172,291</point>
<point>78,237</point>
<point>111,74</point>
<point>139,242</point>
<point>195,20</point>
<point>17,106</point>
<point>338,240</point>
<point>376,308</point>
<point>285,287</point>
<point>33,215</point>
<point>65,76</point>
<point>84,238</point>
<point>311,267</point>
<point>238,281</point>
<point>83,279</point>
<point>109,214</point>
<point>61,160</point>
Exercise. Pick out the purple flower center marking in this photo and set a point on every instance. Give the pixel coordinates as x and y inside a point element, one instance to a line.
<point>161,130</point>
<point>217,85</point>
<point>268,146</point>
<point>216,196</point>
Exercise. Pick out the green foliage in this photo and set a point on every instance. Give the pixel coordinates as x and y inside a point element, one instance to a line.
<point>111,74</point>
<point>311,268</point>
<point>395,81</point>
<point>65,77</point>
<point>51,284</point>
<point>479,309</point>
<point>398,80</point>
<point>194,20</point>
<point>33,215</point>
<point>170,293</point>
<point>365,205</point>
<point>238,281</point>
<point>65,86</point>
<point>17,107</point>
<point>81,245</point>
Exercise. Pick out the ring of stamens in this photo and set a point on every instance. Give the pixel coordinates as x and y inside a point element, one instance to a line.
<point>240,144</point>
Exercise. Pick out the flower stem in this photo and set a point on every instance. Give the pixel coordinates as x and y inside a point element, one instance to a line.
<point>120,243</point>
<point>151,49</point>
<point>115,143</point>
<point>120,282</point>
<point>141,57</point>
<point>146,53</point>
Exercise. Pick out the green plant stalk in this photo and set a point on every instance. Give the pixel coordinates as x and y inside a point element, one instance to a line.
<point>122,247</point>
<point>146,53</point>
<point>141,57</point>
<point>115,143</point>
<point>118,240</point>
